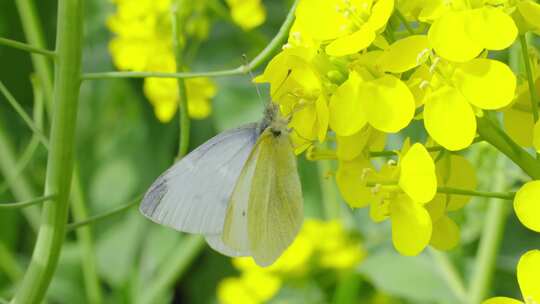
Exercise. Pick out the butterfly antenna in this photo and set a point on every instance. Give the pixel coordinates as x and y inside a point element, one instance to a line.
<point>289,71</point>
<point>257,89</point>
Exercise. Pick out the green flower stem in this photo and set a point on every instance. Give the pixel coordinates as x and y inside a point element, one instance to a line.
<point>492,235</point>
<point>25,47</point>
<point>19,185</point>
<point>178,40</point>
<point>27,203</point>
<point>530,80</point>
<point>329,192</point>
<point>457,191</point>
<point>404,21</point>
<point>450,274</point>
<point>96,218</point>
<point>18,108</point>
<point>273,47</point>
<point>60,161</point>
<point>493,134</point>
<point>32,30</point>
<point>86,243</point>
<point>173,269</point>
<point>29,151</point>
<point>387,153</point>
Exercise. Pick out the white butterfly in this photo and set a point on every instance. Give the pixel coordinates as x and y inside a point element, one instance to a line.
<point>240,189</point>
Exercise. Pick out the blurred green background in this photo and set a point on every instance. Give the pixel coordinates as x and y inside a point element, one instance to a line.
<point>121,148</point>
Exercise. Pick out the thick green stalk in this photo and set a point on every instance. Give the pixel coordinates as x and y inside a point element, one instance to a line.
<point>492,235</point>
<point>492,134</point>
<point>85,241</point>
<point>60,161</point>
<point>34,35</point>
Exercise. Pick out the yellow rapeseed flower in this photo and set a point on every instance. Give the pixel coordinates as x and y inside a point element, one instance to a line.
<point>248,14</point>
<point>528,274</point>
<point>143,42</point>
<point>347,26</point>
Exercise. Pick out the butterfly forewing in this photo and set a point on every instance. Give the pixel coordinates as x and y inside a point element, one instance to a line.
<point>192,196</point>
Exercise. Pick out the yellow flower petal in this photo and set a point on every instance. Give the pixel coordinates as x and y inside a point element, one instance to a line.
<point>405,54</point>
<point>436,207</point>
<point>530,12</point>
<point>445,235</point>
<point>491,28</point>
<point>502,300</point>
<point>163,95</point>
<point>380,13</point>
<point>487,84</point>
<point>248,14</point>
<point>519,125</point>
<point>352,43</point>
<point>417,177</point>
<point>411,226</point>
<point>320,19</point>
<point>323,116</point>
<point>303,122</point>
<point>527,205</point>
<point>449,119</point>
<point>388,103</point>
<point>450,40</point>
<point>232,290</point>
<point>349,147</point>
<point>346,113</point>
<point>536,136</point>
<point>528,273</point>
<point>351,180</point>
<point>457,172</point>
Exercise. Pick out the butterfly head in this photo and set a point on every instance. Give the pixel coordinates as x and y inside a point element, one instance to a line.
<point>274,121</point>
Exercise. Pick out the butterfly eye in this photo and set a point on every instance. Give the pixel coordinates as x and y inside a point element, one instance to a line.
<point>276,133</point>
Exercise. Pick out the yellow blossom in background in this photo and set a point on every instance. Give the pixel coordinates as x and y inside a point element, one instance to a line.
<point>319,245</point>
<point>248,14</point>
<point>526,205</point>
<point>528,274</point>
<point>143,42</point>
<point>349,26</point>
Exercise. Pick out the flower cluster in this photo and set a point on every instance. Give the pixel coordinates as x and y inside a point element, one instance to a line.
<point>143,41</point>
<point>320,246</point>
<point>346,69</point>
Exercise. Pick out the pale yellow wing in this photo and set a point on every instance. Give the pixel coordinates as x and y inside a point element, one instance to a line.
<point>235,235</point>
<point>265,212</point>
<point>275,207</point>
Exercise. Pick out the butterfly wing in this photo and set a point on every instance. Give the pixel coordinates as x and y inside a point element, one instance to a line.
<point>266,209</point>
<point>192,195</point>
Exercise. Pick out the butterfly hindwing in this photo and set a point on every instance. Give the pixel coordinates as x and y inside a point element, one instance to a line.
<point>192,195</point>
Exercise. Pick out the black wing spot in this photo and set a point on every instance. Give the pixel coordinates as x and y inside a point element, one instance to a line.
<point>153,197</point>
<point>243,213</point>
